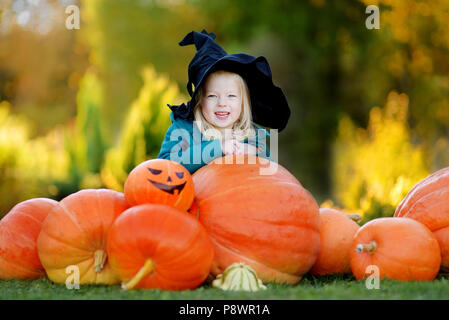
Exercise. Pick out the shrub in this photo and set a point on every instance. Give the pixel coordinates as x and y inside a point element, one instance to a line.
<point>374,168</point>
<point>144,128</point>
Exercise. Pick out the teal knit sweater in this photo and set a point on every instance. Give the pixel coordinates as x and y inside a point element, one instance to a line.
<point>183,143</point>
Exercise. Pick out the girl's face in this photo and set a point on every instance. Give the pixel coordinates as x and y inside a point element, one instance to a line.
<point>222,100</point>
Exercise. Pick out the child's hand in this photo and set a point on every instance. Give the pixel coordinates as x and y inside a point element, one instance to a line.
<point>234,147</point>
<point>245,148</point>
<point>228,146</point>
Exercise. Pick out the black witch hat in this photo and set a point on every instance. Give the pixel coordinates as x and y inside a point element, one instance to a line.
<point>268,104</point>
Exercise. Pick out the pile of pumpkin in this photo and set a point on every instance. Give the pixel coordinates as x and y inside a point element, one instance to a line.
<point>171,230</point>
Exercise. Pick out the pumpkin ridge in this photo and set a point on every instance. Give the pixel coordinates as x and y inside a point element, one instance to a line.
<point>423,197</point>
<point>99,201</point>
<point>82,275</point>
<point>245,258</point>
<point>71,216</point>
<point>168,279</point>
<point>426,182</point>
<point>63,242</point>
<point>247,252</point>
<point>23,236</point>
<point>90,266</point>
<point>308,226</point>
<point>246,187</point>
<point>162,227</point>
<point>441,228</point>
<point>392,260</point>
<point>299,228</point>
<point>28,215</point>
<point>75,221</point>
<point>421,202</point>
<point>192,240</point>
<point>281,223</point>
<point>233,250</point>
<point>18,266</point>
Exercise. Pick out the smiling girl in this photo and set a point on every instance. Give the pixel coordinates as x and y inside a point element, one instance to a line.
<point>230,90</point>
<point>224,106</point>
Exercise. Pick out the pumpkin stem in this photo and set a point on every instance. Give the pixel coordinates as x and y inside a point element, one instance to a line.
<point>146,269</point>
<point>355,217</point>
<point>370,247</point>
<point>197,214</point>
<point>99,259</point>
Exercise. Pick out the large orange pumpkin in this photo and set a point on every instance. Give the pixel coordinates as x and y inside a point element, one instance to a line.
<point>75,234</point>
<point>269,222</point>
<point>160,181</point>
<point>403,249</point>
<point>19,230</point>
<point>158,246</point>
<point>336,234</point>
<point>428,203</point>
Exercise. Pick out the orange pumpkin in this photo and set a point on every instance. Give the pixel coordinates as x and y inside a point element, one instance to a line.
<point>158,246</point>
<point>75,233</point>
<point>19,230</point>
<point>160,181</point>
<point>403,249</point>
<point>336,234</point>
<point>428,203</point>
<point>194,209</point>
<point>269,222</point>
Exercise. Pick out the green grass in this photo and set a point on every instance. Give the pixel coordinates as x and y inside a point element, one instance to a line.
<point>309,288</point>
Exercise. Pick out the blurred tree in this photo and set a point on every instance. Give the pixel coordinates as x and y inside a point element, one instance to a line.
<point>13,137</point>
<point>86,144</point>
<point>123,36</point>
<point>417,42</point>
<point>144,128</point>
<point>374,168</point>
<point>39,74</point>
<point>28,168</point>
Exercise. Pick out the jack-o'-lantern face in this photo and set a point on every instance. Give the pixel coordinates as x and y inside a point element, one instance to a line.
<point>173,185</point>
<point>160,181</point>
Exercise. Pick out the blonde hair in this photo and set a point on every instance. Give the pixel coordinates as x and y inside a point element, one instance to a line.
<point>242,128</point>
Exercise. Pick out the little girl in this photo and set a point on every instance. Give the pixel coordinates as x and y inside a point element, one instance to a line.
<point>231,91</point>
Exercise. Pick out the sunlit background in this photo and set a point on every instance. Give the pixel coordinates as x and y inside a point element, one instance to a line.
<point>80,108</point>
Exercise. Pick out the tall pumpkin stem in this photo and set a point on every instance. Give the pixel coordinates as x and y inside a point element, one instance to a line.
<point>99,259</point>
<point>369,247</point>
<point>146,269</point>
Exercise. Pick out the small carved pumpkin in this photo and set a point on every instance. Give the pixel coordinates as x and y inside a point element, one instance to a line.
<point>160,181</point>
